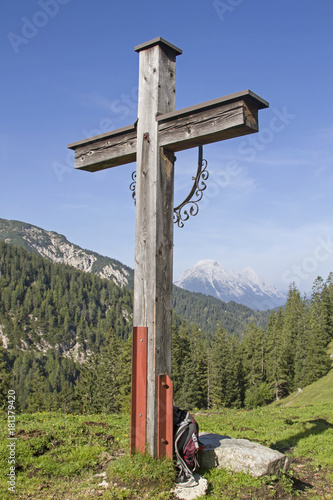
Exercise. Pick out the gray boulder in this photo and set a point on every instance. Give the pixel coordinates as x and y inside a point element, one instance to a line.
<point>240,455</point>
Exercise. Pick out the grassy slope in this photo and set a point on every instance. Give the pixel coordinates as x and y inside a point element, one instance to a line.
<point>318,392</point>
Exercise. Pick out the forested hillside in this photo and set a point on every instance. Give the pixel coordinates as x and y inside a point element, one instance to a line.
<point>265,364</point>
<point>205,311</point>
<point>53,318</point>
<point>208,312</point>
<point>67,343</point>
<point>58,249</point>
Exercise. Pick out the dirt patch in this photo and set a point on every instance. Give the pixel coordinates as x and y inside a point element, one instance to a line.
<point>302,481</point>
<point>101,424</point>
<point>42,441</point>
<point>310,480</point>
<point>23,434</point>
<point>33,472</point>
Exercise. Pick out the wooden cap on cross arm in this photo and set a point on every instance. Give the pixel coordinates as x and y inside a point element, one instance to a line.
<point>158,41</point>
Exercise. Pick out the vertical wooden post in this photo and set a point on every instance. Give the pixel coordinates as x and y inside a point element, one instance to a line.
<point>154,220</point>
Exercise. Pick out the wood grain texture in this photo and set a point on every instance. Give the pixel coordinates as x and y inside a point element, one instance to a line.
<point>245,95</point>
<point>207,125</point>
<point>106,150</point>
<point>154,223</point>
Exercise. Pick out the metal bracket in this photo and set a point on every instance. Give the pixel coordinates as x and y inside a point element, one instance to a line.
<point>139,389</point>
<point>132,185</point>
<point>181,215</point>
<point>165,417</point>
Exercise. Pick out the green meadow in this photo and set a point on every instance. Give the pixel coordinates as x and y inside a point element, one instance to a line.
<point>72,456</point>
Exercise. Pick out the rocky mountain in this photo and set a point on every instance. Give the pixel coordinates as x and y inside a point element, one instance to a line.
<point>207,277</point>
<point>246,287</point>
<point>58,249</point>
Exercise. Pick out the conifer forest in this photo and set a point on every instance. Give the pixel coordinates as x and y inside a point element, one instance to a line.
<point>66,342</point>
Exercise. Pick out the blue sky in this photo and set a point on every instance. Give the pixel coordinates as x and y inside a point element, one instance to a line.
<point>69,71</point>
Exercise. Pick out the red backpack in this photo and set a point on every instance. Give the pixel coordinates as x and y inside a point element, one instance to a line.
<point>187,445</point>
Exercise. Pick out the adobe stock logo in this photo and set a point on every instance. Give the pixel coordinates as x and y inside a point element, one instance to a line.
<point>30,27</point>
<point>223,7</point>
<point>266,135</point>
<point>121,108</point>
<point>310,264</point>
<point>248,149</point>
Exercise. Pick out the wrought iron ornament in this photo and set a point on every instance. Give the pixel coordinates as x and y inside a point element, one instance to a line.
<point>180,213</point>
<point>132,185</point>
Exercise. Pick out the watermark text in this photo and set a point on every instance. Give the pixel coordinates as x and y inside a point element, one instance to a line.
<point>11,481</point>
<point>32,25</point>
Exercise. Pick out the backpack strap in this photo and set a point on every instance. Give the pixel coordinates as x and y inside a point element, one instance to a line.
<point>183,435</point>
<point>186,430</point>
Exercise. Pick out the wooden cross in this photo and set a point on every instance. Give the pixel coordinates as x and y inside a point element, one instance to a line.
<point>158,133</point>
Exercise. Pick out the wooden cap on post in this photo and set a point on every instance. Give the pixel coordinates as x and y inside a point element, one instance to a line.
<point>158,41</point>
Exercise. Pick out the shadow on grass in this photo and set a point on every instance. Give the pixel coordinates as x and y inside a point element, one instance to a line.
<point>319,425</point>
<point>301,486</point>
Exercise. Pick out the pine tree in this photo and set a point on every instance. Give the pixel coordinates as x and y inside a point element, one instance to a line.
<point>320,305</point>
<point>39,399</point>
<point>4,377</point>
<point>317,362</point>
<point>86,385</point>
<point>106,396</point>
<point>253,343</point>
<point>124,375</point>
<point>21,375</point>
<point>238,387</point>
<point>66,399</point>
<point>199,364</point>
<point>183,372</point>
<point>295,322</point>
<point>278,364</point>
<point>327,296</point>
<point>225,388</point>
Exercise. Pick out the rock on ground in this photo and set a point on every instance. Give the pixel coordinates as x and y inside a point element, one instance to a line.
<point>192,492</point>
<point>240,455</point>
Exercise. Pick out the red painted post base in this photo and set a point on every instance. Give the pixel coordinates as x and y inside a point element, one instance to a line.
<point>165,417</point>
<point>139,390</point>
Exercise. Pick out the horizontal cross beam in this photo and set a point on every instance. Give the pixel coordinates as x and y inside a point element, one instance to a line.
<point>106,150</point>
<point>230,116</point>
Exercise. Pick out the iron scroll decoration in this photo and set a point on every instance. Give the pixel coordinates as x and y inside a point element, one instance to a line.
<point>182,214</point>
<point>132,185</point>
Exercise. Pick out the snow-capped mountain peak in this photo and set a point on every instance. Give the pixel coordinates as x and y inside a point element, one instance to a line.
<point>246,287</point>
